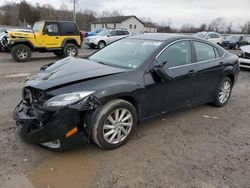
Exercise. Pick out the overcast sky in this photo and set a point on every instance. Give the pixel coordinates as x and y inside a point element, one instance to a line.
<point>180,11</point>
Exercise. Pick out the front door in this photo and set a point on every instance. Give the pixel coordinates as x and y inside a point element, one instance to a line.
<point>172,94</point>
<point>51,35</point>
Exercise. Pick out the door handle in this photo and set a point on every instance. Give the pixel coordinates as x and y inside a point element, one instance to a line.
<point>192,73</point>
<point>57,37</point>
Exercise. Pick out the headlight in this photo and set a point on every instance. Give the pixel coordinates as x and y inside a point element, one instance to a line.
<point>67,99</point>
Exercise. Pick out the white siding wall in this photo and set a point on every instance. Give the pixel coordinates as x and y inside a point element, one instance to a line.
<point>133,21</point>
<point>126,25</point>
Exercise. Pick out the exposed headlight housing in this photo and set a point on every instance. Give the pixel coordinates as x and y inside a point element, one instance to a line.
<point>67,99</point>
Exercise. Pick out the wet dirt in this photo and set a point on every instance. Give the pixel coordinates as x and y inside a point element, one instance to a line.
<point>62,170</point>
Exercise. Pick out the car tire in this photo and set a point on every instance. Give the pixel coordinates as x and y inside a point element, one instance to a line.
<point>58,53</point>
<point>113,124</point>
<point>101,44</point>
<point>70,50</point>
<point>223,93</point>
<point>21,53</point>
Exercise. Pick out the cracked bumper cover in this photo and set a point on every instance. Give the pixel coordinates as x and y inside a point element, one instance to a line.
<point>37,126</point>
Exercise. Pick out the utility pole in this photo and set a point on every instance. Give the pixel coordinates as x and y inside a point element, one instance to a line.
<point>74,9</point>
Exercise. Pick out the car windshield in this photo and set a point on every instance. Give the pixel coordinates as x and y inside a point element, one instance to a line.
<point>200,35</point>
<point>37,26</point>
<point>103,33</point>
<point>234,37</point>
<point>126,53</point>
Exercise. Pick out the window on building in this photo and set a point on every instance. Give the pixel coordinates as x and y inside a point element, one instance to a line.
<point>114,25</point>
<point>94,25</point>
<point>130,26</point>
<point>134,26</point>
<point>102,25</point>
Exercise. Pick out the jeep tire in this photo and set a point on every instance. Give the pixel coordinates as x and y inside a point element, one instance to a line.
<point>21,52</point>
<point>70,49</point>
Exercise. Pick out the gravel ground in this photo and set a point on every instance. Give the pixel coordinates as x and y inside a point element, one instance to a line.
<point>199,147</point>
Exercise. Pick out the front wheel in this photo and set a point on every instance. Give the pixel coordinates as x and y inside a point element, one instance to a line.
<point>70,50</point>
<point>223,93</point>
<point>21,53</point>
<point>114,124</point>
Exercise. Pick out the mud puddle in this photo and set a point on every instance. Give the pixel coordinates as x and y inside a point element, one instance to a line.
<point>75,169</point>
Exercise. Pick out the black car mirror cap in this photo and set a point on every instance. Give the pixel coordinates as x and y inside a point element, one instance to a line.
<point>158,68</point>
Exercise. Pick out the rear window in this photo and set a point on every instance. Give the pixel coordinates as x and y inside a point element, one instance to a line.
<point>69,29</point>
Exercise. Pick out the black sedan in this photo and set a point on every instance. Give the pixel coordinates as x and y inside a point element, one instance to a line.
<point>104,97</point>
<point>235,42</point>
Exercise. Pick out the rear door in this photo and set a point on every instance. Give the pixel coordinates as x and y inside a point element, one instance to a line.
<point>209,64</point>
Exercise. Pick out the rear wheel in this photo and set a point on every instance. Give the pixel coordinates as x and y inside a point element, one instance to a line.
<point>21,53</point>
<point>70,50</point>
<point>101,44</point>
<point>114,124</point>
<point>224,92</point>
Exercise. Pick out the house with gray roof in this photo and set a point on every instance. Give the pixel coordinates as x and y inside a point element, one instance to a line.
<point>131,23</point>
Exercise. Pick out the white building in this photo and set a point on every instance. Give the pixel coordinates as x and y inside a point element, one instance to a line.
<point>131,23</point>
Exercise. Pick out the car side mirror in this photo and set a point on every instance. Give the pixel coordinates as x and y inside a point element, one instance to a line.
<point>163,73</point>
<point>109,35</point>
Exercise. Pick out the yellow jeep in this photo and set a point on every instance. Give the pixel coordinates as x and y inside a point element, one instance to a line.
<point>63,38</point>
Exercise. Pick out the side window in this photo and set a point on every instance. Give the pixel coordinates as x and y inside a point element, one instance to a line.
<point>217,36</point>
<point>176,55</point>
<point>113,33</point>
<point>204,51</point>
<point>209,36</point>
<point>69,29</point>
<point>125,33</point>
<point>51,29</point>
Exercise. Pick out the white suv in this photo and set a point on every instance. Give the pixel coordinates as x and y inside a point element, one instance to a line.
<point>211,36</point>
<point>106,37</point>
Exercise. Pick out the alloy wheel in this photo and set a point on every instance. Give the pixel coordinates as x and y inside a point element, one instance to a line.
<point>224,92</point>
<point>117,126</point>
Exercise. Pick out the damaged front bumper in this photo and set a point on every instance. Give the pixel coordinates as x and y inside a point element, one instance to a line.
<point>61,129</point>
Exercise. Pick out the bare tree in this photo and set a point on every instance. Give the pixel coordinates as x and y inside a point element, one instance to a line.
<point>229,28</point>
<point>244,27</point>
<point>217,25</point>
<point>112,13</point>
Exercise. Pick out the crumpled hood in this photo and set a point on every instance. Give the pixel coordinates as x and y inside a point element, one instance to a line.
<point>70,70</point>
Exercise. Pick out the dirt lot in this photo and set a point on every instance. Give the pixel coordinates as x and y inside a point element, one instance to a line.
<point>200,147</point>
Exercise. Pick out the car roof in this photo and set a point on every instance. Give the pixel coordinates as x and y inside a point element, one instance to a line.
<point>160,36</point>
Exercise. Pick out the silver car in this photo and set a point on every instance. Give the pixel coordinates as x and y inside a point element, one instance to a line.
<point>106,37</point>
